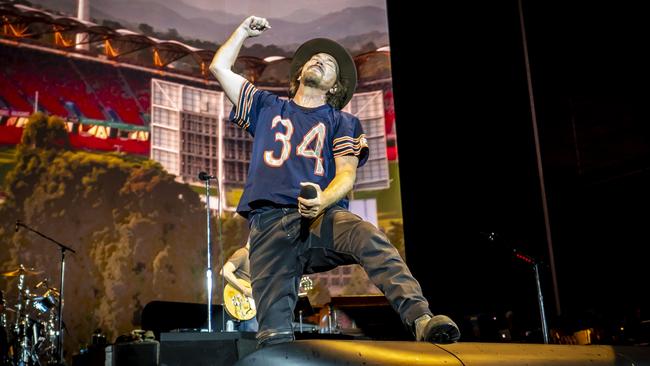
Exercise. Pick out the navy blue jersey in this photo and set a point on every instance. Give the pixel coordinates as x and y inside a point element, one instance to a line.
<point>292,144</point>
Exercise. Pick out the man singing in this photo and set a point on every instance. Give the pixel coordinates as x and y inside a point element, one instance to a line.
<point>308,141</point>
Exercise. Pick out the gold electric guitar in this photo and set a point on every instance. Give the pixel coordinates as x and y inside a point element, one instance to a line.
<point>242,307</point>
<point>306,285</point>
<point>238,305</point>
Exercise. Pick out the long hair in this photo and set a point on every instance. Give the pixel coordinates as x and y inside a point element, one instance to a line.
<point>335,99</point>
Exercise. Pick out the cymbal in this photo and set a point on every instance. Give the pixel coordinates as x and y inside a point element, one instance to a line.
<point>21,271</point>
<point>52,291</point>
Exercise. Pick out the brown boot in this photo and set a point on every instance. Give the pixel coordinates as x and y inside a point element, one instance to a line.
<point>437,329</point>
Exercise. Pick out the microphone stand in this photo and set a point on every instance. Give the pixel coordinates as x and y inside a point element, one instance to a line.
<point>64,248</point>
<point>535,263</point>
<point>540,298</point>
<point>208,273</point>
<point>223,283</point>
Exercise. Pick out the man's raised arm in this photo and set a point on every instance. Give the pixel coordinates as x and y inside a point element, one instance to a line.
<point>221,65</point>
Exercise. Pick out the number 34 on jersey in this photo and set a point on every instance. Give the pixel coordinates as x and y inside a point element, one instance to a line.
<point>316,134</point>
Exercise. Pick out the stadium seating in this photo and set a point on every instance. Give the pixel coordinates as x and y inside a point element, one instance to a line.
<point>11,95</point>
<point>93,88</point>
<point>111,89</point>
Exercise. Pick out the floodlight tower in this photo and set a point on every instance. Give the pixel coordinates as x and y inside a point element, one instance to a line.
<point>83,13</point>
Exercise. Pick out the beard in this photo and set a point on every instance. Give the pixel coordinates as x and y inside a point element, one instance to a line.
<point>312,79</point>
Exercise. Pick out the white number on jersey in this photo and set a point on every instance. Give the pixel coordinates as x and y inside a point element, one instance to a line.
<point>285,138</point>
<point>317,133</point>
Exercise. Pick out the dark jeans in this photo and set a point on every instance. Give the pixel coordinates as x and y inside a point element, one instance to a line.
<point>284,246</point>
<point>248,325</point>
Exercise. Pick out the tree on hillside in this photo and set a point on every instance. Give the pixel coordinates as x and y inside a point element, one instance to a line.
<point>112,24</point>
<point>46,132</point>
<point>234,233</point>
<point>172,34</point>
<point>368,47</point>
<point>146,29</point>
<point>138,233</point>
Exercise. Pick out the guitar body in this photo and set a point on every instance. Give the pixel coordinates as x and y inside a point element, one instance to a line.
<point>238,305</point>
<point>242,307</point>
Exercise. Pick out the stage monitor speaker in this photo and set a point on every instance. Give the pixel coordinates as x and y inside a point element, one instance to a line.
<point>374,316</point>
<point>205,349</point>
<point>166,316</point>
<point>133,354</point>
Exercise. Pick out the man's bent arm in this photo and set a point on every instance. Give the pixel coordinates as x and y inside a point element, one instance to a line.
<point>224,59</point>
<point>346,174</point>
<point>228,273</point>
<point>341,185</point>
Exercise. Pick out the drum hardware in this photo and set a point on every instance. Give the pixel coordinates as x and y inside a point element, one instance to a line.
<point>28,328</point>
<point>63,248</point>
<point>4,340</point>
<point>30,323</point>
<point>21,271</point>
<point>46,302</point>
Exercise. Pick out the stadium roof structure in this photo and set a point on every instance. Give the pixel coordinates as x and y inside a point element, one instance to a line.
<point>29,25</point>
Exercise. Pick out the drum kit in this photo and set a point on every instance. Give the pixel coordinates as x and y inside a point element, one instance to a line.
<point>30,323</point>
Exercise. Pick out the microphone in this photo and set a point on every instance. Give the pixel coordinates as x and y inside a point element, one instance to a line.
<point>206,176</point>
<point>308,192</point>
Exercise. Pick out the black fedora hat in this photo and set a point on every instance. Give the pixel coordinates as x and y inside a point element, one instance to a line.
<point>347,69</point>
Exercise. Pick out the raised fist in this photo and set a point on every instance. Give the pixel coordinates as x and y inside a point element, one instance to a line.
<point>254,26</point>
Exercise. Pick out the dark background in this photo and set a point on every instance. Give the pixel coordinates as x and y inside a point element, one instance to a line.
<point>468,163</point>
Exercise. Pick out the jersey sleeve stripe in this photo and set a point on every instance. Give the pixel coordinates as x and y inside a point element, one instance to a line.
<point>249,101</point>
<point>350,145</point>
<point>348,141</point>
<point>244,105</point>
<point>348,138</point>
<point>348,152</point>
<point>240,100</point>
<point>356,148</point>
<point>350,149</point>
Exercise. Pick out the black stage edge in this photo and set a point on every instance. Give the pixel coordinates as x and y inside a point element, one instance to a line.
<point>127,354</point>
<point>187,316</point>
<point>205,349</point>
<point>330,353</point>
